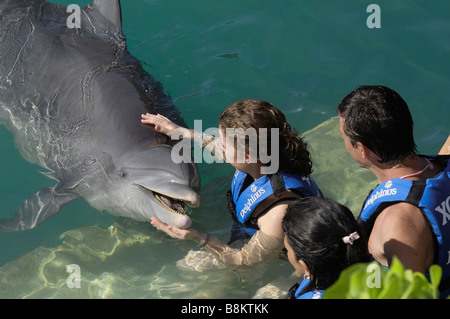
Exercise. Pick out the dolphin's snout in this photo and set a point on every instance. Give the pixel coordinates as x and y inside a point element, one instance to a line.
<point>193,200</point>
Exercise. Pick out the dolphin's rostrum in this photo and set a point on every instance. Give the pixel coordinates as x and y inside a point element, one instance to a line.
<point>72,97</point>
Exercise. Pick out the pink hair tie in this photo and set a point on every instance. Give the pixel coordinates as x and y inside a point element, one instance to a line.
<point>350,238</point>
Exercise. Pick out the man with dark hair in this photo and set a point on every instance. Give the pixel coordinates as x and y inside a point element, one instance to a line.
<point>408,214</point>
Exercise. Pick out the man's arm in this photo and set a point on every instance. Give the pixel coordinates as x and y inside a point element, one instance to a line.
<point>445,150</point>
<point>401,230</point>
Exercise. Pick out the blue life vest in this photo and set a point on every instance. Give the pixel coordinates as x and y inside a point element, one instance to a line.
<point>432,197</point>
<point>296,292</point>
<point>243,201</point>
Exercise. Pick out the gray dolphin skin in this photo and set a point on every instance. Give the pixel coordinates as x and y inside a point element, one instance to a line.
<point>72,97</point>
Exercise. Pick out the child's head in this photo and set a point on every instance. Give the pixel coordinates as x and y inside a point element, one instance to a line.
<point>316,233</point>
<point>255,116</point>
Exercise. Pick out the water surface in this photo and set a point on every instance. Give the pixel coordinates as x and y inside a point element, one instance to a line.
<point>303,56</point>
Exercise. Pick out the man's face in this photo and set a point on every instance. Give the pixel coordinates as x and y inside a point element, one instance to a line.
<point>353,150</point>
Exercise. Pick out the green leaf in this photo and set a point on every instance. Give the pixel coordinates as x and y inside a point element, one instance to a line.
<point>435,277</point>
<point>418,288</point>
<point>370,280</point>
<point>392,288</point>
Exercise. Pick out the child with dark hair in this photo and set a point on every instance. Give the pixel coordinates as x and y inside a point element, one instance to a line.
<point>322,238</point>
<point>258,199</point>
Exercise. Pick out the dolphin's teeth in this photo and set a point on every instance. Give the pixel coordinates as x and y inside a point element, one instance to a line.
<point>172,204</point>
<point>166,201</point>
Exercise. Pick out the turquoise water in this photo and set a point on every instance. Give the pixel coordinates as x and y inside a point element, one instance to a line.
<point>304,56</point>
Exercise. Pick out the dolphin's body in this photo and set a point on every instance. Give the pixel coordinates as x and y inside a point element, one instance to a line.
<point>72,97</point>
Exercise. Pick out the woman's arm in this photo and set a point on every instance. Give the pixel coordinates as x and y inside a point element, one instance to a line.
<point>165,126</point>
<point>265,245</point>
<point>261,247</point>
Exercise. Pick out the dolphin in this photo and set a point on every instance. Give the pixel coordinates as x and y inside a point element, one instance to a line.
<point>72,97</point>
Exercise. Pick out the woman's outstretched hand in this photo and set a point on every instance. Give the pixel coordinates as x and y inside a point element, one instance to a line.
<point>163,124</point>
<point>176,232</point>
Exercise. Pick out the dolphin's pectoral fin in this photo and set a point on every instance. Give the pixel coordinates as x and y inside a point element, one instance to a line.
<point>36,209</point>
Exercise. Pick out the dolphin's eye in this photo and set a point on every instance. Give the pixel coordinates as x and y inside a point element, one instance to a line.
<point>122,173</point>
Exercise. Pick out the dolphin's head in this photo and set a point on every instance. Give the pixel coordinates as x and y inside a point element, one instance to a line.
<point>146,183</point>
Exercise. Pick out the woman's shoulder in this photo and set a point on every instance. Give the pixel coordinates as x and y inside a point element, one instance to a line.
<point>270,222</point>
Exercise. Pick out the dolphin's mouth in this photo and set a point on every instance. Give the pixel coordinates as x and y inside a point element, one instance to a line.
<point>172,204</point>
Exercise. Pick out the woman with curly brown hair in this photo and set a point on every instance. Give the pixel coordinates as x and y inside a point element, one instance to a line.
<point>259,196</point>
